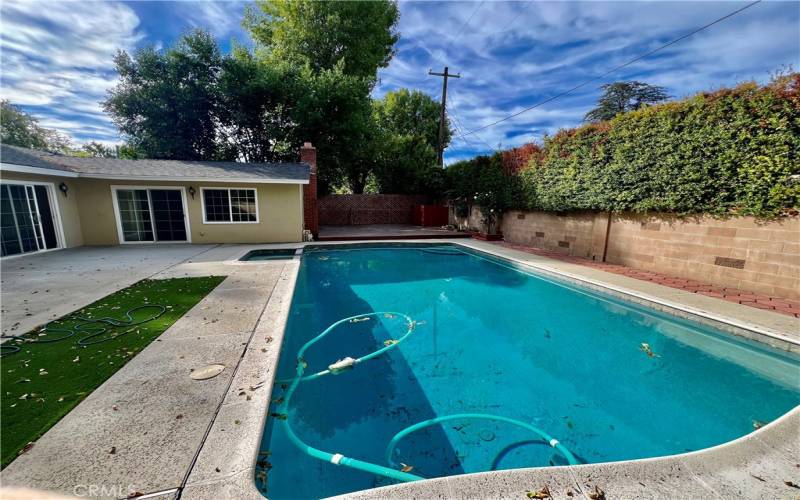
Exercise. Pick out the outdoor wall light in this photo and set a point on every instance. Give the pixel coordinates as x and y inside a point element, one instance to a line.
<point>63,188</point>
<point>192,191</point>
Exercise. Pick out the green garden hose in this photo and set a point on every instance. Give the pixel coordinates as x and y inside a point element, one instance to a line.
<point>349,363</point>
<point>81,328</point>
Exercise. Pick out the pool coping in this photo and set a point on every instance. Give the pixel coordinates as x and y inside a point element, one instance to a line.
<point>715,471</point>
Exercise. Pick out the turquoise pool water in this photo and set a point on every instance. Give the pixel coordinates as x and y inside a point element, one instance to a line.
<point>493,339</point>
<point>269,254</point>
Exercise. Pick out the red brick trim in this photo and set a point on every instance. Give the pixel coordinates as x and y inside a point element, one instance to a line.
<point>308,154</point>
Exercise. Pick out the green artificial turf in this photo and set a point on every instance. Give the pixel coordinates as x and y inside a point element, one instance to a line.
<point>42,382</point>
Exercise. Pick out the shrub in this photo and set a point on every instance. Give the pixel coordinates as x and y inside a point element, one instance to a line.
<point>731,152</point>
<point>483,182</point>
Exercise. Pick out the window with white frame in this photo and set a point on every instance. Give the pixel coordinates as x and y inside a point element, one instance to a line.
<point>229,205</point>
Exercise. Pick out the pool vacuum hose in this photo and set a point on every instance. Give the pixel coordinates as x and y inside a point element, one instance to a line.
<point>349,363</point>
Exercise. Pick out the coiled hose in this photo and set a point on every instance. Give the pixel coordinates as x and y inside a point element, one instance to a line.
<point>348,363</point>
<point>93,333</point>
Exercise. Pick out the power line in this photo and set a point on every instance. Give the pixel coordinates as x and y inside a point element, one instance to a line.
<point>638,58</point>
<point>514,19</point>
<point>460,127</point>
<point>464,26</point>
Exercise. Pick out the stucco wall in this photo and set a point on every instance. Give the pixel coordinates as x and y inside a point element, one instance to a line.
<point>280,210</point>
<point>67,205</point>
<point>741,252</point>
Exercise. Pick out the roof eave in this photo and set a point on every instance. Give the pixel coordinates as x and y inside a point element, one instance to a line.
<point>227,180</point>
<point>11,167</point>
<point>25,169</point>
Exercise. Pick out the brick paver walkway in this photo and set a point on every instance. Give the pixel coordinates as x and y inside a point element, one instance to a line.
<point>760,301</point>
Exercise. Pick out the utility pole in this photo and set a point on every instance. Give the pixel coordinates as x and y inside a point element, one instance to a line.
<point>445,76</point>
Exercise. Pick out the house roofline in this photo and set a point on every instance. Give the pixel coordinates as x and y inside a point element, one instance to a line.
<point>63,173</point>
<point>25,169</point>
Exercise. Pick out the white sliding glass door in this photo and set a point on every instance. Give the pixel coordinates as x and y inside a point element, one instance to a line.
<point>151,214</point>
<point>27,219</point>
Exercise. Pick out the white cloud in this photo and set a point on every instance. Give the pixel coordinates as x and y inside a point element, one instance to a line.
<point>57,56</point>
<point>57,60</point>
<point>222,19</point>
<point>515,54</point>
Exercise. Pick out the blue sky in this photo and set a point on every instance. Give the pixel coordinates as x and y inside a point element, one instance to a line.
<point>57,56</point>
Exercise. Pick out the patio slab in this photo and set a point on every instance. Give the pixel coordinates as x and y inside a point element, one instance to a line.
<point>39,288</point>
<point>142,429</point>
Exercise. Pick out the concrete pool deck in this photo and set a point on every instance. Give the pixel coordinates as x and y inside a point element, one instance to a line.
<point>151,413</point>
<point>38,288</point>
<point>210,451</point>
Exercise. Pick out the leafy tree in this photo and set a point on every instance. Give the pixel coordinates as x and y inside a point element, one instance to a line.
<point>268,109</point>
<point>323,33</point>
<point>257,102</point>
<point>483,181</point>
<point>18,128</point>
<point>165,102</point>
<point>339,46</point>
<point>619,97</point>
<point>94,149</point>
<point>408,130</point>
<point>334,111</point>
<point>128,152</point>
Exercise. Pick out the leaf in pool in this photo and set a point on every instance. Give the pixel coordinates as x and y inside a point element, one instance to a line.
<point>279,416</point>
<point>389,342</point>
<point>645,347</point>
<point>757,424</point>
<point>542,493</point>
<point>406,467</point>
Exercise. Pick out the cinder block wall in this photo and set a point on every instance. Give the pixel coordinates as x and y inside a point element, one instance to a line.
<point>738,253</point>
<point>578,234</point>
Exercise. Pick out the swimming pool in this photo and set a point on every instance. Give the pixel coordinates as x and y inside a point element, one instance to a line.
<point>610,380</point>
<point>269,254</point>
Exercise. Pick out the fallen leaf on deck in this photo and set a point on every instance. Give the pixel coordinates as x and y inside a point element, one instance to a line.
<point>543,493</point>
<point>597,494</point>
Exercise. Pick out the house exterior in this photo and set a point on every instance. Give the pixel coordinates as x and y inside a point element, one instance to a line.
<point>49,201</point>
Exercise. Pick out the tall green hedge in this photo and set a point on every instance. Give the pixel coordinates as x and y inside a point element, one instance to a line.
<point>733,151</point>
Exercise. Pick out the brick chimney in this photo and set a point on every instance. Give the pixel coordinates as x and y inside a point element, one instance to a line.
<point>308,154</point>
